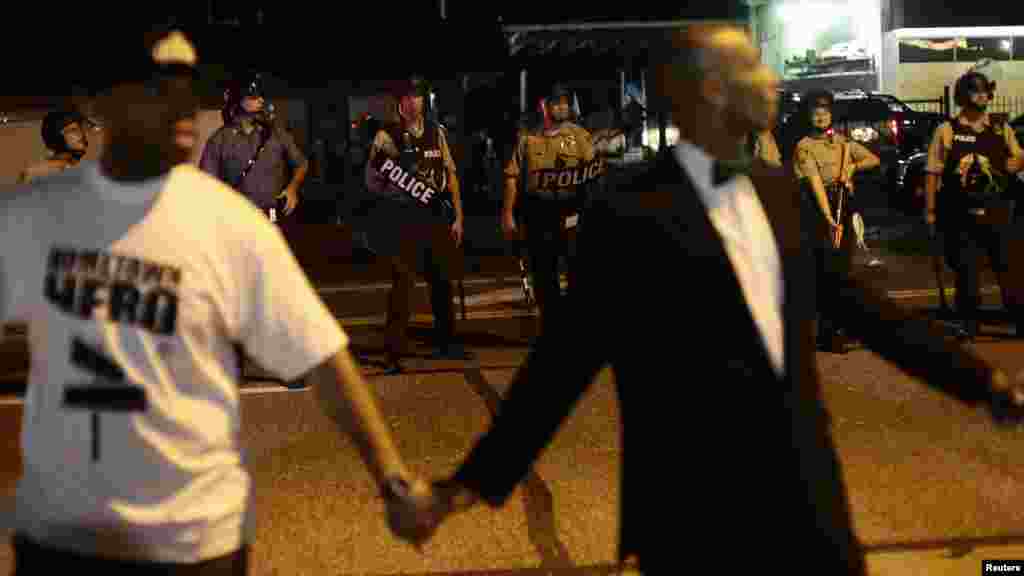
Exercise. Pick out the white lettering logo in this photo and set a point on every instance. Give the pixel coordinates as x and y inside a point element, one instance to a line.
<point>406,182</point>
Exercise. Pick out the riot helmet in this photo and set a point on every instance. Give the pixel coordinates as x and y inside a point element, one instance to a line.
<point>236,93</point>
<point>53,132</point>
<point>555,104</point>
<point>970,84</point>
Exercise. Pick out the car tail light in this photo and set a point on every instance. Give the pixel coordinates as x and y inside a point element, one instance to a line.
<point>894,128</point>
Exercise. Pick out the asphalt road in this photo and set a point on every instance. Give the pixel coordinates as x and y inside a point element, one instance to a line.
<point>933,484</point>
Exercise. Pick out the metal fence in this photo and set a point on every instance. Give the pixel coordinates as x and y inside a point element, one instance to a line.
<point>1012,106</point>
<point>927,105</point>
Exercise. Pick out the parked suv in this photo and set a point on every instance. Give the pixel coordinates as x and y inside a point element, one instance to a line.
<point>881,122</point>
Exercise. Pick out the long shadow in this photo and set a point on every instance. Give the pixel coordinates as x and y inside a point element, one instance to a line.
<point>538,500</point>
<point>367,340</point>
<point>595,570</point>
<point>958,547</point>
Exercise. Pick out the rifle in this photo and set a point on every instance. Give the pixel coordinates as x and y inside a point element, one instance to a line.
<point>840,190</point>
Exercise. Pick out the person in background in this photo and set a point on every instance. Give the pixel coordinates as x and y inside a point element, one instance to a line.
<point>64,134</point>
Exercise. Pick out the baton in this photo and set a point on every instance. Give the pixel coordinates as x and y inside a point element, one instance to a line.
<point>937,242</point>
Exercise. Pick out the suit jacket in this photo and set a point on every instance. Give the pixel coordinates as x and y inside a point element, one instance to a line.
<point>717,450</point>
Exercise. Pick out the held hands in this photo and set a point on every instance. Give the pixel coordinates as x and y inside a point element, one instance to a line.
<point>412,510</point>
<point>1007,398</point>
<point>416,510</point>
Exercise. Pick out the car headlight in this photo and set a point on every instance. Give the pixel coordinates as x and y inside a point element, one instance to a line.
<point>864,134</point>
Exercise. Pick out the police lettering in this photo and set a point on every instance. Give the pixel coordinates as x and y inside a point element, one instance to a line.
<point>406,182</point>
<point>965,138</point>
<point>564,178</point>
<point>106,287</point>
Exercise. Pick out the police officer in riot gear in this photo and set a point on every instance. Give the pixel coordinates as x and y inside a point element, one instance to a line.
<point>970,161</point>
<point>254,155</point>
<point>64,133</point>
<point>825,162</point>
<point>416,218</point>
<point>559,163</point>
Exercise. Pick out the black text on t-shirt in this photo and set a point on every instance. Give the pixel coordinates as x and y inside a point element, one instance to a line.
<point>96,285</point>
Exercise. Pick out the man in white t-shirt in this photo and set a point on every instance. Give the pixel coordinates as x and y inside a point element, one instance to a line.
<point>133,301</point>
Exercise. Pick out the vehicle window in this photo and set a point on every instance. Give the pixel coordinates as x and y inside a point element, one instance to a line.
<point>863,111</point>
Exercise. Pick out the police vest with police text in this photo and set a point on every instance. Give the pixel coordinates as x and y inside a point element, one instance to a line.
<point>418,175</point>
<point>560,164</point>
<point>975,171</point>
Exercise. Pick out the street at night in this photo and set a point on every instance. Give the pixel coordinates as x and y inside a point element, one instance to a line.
<point>932,483</point>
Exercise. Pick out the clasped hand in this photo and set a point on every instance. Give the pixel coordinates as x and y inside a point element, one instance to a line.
<point>416,509</point>
<point>1007,398</point>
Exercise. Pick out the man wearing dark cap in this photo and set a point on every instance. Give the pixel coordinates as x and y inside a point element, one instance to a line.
<point>731,443</point>
<point>545,182</point>
<point>64,133</point>
<point>254,155</point>
<point>132,460</point>
<point>416,218</point>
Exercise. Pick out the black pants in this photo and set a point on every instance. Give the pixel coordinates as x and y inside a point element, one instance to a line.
<point>842,261</point>
<point>425,249</point>
<point>966,245</point>
<point>31,558</point>
<point>547,240</point>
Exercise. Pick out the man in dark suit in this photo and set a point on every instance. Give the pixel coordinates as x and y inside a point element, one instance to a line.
<point>738,445</point>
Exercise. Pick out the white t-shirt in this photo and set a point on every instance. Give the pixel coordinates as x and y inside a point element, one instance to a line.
<point>159,278</point>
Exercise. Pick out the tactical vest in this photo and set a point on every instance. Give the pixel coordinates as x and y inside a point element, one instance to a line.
<point>974,175</point>
<point>560,165</point>
<point>418,175</point>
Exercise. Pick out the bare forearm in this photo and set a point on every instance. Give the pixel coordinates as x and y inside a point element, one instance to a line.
<point>511,194</point>
<point>346,398</point>
<point>821,197</point>
<point>453,186</point>
<point>867,163</point>
<point>299,176</point>
<point>931,187</point>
